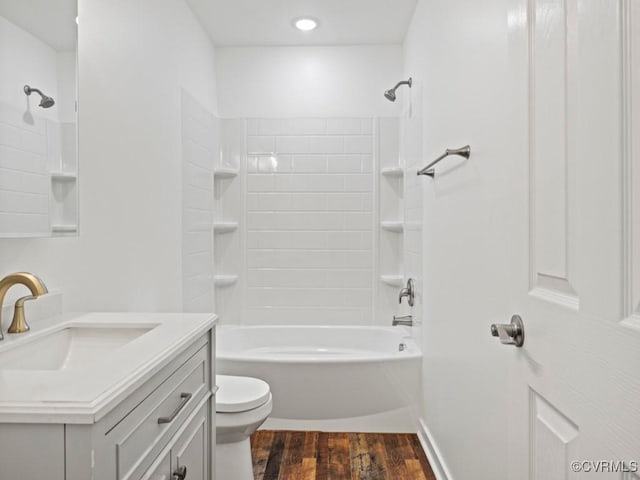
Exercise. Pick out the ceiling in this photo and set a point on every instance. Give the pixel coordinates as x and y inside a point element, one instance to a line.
<point>269,22</point>
<point>52,21</point>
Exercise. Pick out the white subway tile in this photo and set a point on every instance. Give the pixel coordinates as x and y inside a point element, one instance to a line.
<point>10,136</point>
<point>261,144</point>
<point>13,159</point>
<point>358,183</point>
<point>310,164</point>
<point>348,126</point>
<point>388,141</point>
<point>268,258</point>
<point>367,163</point>
<point>358,144</point>
<point>309,202</point>
<point>16,181</point>
<point>287,240</point>
<point>326,145</point>
<point>283,164</point>
<point>196,154</point>
<point>18,202</point>
<point>195,176</point>
<point>308,126</point>
<point>197,220</point>
<point>350,202</point>
<point>252,163</point>
<point>253,126</point>
<point>344,164</point>
<point>358,220</point>
<point>197,264</point>
<point>197,242</point>
<point>269,201</point>
<point>10,223</point>
<point>258,182</point>
<point>292,144</point>
<point>325,315</point>
<point>267,163</point>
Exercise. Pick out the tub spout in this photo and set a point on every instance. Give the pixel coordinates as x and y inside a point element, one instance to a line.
<point>406,320</point>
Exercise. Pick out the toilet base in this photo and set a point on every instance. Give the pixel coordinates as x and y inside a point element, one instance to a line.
<point>233,461</point>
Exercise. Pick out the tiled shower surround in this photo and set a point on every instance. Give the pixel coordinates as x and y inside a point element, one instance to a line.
<point>281,219</point>
<point>311,220</point>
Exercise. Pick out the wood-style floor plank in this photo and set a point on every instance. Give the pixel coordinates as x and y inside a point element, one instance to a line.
<point>294,455</point>
<point>261,447</point>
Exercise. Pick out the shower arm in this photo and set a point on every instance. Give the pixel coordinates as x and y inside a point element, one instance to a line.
<point>29,90</point>
<point>403,82</point>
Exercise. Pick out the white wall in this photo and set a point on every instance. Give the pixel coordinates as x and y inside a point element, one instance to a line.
<point>272,82</point>
<point>134,58</point>
<point>458,54</point>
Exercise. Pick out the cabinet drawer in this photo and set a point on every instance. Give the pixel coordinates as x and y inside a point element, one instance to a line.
<point>150,425</point>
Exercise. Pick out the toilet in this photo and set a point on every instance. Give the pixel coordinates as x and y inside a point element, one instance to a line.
<point>242,405</point>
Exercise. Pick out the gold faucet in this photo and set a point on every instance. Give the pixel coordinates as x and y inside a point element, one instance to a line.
<point>33,283</point>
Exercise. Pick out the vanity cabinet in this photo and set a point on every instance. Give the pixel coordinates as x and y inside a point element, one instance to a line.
<point>156,432</point>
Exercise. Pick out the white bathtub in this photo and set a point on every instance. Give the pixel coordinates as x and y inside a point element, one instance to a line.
<point>329,378</point>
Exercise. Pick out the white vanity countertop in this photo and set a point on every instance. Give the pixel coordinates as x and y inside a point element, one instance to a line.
<point>86,394</point>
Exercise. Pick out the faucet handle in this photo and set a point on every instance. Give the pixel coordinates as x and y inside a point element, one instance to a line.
<point>19,323</point>
<point>408,291</point>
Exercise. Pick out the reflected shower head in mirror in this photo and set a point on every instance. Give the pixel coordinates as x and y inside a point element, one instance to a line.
<point>391,94</point>
<point>45,102</point>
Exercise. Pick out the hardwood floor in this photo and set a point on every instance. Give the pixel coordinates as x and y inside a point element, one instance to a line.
<point>293,455</point>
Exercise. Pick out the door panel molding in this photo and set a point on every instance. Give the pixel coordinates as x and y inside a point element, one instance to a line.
<point>552,440</point>
<point>630,25</point>
<point>552,52</point>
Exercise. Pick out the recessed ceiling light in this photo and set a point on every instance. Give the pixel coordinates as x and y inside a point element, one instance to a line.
<point>305,24</point>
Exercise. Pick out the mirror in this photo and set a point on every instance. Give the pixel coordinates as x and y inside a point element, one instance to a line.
<point>38,118</point>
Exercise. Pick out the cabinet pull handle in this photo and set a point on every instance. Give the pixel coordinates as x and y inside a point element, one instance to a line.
<point>185,399</point>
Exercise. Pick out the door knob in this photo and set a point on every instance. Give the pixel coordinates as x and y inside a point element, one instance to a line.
<point>510,333</point>
<point>180,473</point>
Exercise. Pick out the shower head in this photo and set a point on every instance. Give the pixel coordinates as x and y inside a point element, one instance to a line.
<point>391,94</point>
<point>45,101</point>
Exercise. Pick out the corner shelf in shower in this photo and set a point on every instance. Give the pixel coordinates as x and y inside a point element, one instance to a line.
<point>392,280</point>
<point>225,172</point>
<point>223,281</point>
<point>60,228</point>
<point>225,227</point>
<point>64,176</point>
<point>392,172</point>
<point>392,226</point>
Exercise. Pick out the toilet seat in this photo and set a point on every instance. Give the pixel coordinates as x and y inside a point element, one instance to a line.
<point>240,394</point>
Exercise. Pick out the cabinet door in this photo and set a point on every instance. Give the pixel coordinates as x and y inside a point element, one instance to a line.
<point>160,470</point>
<point>191,449</point>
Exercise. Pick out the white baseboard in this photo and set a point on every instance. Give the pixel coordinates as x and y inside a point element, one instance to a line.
<point>433,453</point>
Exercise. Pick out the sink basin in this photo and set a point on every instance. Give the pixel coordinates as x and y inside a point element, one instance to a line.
<point>72,347</point>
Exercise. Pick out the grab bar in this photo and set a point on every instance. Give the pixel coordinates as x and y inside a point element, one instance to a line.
<point>462,152</point>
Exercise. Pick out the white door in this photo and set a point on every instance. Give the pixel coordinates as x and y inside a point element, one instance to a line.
<point>575,384</point>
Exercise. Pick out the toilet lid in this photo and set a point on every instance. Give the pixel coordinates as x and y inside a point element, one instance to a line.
<point>239,394</point>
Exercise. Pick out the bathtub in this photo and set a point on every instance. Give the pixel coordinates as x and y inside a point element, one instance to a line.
<point>363,379</point>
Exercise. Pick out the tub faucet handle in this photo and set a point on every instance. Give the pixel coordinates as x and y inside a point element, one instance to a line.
<point>408,291</point>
